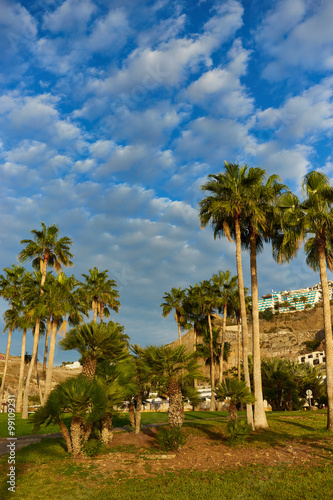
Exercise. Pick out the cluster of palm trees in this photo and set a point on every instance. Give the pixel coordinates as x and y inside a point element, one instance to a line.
<point>45,303</point>
<point>250,208</point>
<point>195,307</point>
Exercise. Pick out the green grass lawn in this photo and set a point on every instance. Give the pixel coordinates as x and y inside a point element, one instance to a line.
<point>24,427</point>
<point>45,469</point>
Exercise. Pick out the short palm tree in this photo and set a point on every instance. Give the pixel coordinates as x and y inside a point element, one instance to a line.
<point>96,342</point>
<point>237,392</point>
<point>170,368</point>
<point>174,301</point>
<point>84,399</point>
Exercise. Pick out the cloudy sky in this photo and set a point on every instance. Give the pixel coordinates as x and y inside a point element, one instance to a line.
<point>112,114</point>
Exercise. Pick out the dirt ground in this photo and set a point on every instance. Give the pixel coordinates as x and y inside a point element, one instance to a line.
<point>140,455</point>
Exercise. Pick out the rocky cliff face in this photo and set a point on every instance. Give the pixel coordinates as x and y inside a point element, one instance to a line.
<point>285,336</point>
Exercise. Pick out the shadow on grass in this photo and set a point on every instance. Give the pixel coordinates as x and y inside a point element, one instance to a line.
<point>46,451</point>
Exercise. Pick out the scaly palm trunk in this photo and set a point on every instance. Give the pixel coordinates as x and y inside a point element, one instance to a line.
<point>260,421</point>
<point>76,436</point>
<point>212,365</point>
<point>232,412</point>
<point>328,333</point>
<point>138,414</point>
<point>106,432</point>
<point>89,367</point>
<point>131,414</point>
<point>48,381</point>
<point>66,435</point>
<point>95,309</point>
<point>9,340</point>
<point>21,377</point>
<point>249,413</point>
<point>179,333</point>
<point>47,337</point>
<point>176,410</point>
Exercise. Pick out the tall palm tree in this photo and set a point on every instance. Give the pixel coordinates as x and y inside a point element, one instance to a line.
<point>46,248</point>
<point>224,209</point>
<point>57,303</point>
<point>169,369</point>
<point>210,303</point>
<point>311,220</point>
<point>101,293</point>
<point>259,216</point>
<point>96,342</point>
<point>226,285</point>
<point>11,290</point>
<point>174,300</point>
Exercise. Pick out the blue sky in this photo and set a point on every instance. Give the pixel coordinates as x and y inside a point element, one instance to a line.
<point>112,114</point>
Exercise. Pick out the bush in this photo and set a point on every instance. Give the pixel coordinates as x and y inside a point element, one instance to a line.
<point>92,448</point>
<point>267,314</point>
<point>238,430</point>
<point>171,439</point>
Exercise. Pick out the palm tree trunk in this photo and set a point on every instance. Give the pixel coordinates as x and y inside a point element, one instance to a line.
<point>195,382</point>
<point>328,333</point>
<point>106,432</point>
<point>224,326</point>
<point>48,381</point>
<point>89,368</point>
<point>95,309</point>
<point>65,433</point>
<point>138,414</point>
<point>21,377</point>
<point>260,421</point>
<point>76,434</point>
<point>47,336</point>
<point>249,412</point>
<point>9,340</point>
<point>212,365</point>
<point>31,367</point>
<point>179,333</point>
<point>176,410</point>
<point>239,350</point>
<point>131,414</point>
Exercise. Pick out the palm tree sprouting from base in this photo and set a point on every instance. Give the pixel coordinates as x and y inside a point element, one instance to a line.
<point>46,248</point>
<point>84,399</point>
<point>174,300</point>
<point>311,220</point>
<point>169,369</point>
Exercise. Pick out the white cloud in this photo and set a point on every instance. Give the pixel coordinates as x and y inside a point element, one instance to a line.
<point>70,15</point>
<point>297,34</point>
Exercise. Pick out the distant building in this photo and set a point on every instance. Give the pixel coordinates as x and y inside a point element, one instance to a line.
<point>296,300</point>
<point>314,358</point>
<point>74,366</point>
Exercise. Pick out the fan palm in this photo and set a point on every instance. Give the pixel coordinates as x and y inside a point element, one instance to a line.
<point>84,399</point>
<point>311,220</point>
<point>46,248</point>
<point>96,342</point>
<point>100,292</point>
<point>226,285</point>
<point>224,209</point>
<point>11,290</point>
<point>174,300</point>
<point>237,392</point>
<point>170,368</point>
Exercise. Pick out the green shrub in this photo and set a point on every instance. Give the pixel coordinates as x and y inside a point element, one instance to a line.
<point>92,448</point>
<point>238,430</point>
<point>171,439</point>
